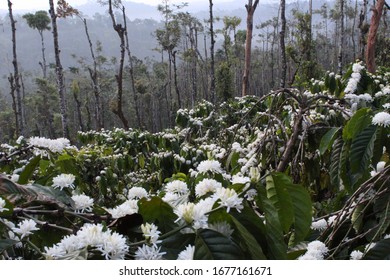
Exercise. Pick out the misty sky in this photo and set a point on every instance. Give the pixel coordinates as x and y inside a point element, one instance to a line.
<point>43,4</point>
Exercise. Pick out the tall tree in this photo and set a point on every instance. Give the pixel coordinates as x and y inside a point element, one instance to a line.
<point>63,10</point>
<point>377,11</point>
<point>212,52</point>
<point>341,41</point>
<point>40,21</point>
<point>283,75</point>
<point>15,77</point>
<point>120,30</point>
<point>250,8</point>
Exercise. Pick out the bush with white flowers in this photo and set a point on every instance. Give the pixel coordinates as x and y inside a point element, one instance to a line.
<point>294,174</point>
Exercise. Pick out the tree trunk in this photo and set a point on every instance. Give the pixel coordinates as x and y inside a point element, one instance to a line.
<point>175,78</point>
<point>43,63</point>
<point>94,75</point>
<point>371,40</point>
<point>283,43</point>
<point>341,42</point>
<point>212,47</point>
<point>118,107</point>
<point>14,104</point>
<point>363,29</point>
<point>131,72</point>
<point>59,73</point>
<point>16,76</point>
<point>250,7</point>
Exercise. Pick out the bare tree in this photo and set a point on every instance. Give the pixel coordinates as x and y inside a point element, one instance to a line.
<point>61,9</point>
<point>371,40</point>
<point>15,77</point>
<point>120,30</point>
<point>283,76</point>
<point>212,52</point>
<point>341,42</point>
<point>250,8</point>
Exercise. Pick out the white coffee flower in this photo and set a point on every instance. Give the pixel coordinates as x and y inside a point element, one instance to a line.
<point>25,228</point>
<point>187,253</point>
<point>83,203</point>
<point>149,253</point>
<point>381,119</point>
<point>64,181</point>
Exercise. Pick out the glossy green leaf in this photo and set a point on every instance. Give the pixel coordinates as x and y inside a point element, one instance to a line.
<point>362,150</point>
<point>212,245</point>
<point>328,139</point>
<point>252,246</point>
<point>158,212</point>
<point>359,121</point>
<point>6,244</point>
<point>29,170</point>
<point>277,193</point>
<point>381,251</point>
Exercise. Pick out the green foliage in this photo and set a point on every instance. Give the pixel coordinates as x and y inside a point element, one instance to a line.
<point>213,185</point>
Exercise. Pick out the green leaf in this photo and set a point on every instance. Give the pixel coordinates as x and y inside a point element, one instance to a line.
<point>381,251</point>
<point>302,206</point>
<point>51,195</point>
<point>28,171</point>
<point>278,195</point>
<point>357,217</point>
<point>212,245</point>
<point>158,212</point>
<point>252,246</point>
<point>359,121</point>
<point>275,238</point>
<point>15,192</point>
<point>6,244</point>
<point>176,243</point>
<point>362,150</point>
<point>328,139</point>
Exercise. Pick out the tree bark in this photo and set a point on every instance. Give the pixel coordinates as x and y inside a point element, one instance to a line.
<point>94,75</point>
<point>371,40</point>
<point>118,107</point>
<point>16,77</point>
<point>283,43</point>
<point>251,8</point>
<point>341,42</point>
<point>212,47</point>
<point>59,73</point>
<point>43,63</point>
<point>131,71</point>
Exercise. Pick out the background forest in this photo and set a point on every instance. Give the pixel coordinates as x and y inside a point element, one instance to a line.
<point>167,62</point>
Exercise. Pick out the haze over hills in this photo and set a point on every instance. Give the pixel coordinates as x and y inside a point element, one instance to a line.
<point>145,19</point>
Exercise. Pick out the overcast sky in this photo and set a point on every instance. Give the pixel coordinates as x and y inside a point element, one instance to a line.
<point>43,4</point>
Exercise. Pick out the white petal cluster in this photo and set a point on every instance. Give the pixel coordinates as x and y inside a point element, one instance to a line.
<point>187,253</point>
<point>356,255</point>
<point>381,119</point>
<point>149,253</point>
<point>83,203</point>
<point>54,145</point>
<point>355,78</point>
<point>212,166</point>
<point>176,187</point>
<point>64,181</point>
<point>195,214</point>
<point>2,205</point>
<point>137,193</point>
<point>110,244</point>
<point>25,228</point>
<point>128,207</point>
<point>207,186</point>
<point>229,199</point>
<point>316,250</point>
<point>151,233</point>
<point>222,227</point>
<point>319,225</point>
